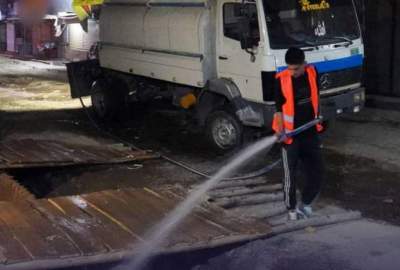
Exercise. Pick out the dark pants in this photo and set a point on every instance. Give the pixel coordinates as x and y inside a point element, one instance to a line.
<point>305,148</point>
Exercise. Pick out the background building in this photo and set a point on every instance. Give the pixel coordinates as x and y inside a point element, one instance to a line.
<point>382,46</point>
<point>57,34</point>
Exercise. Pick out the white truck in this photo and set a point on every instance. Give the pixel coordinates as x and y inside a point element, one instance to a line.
<point>217,59</point>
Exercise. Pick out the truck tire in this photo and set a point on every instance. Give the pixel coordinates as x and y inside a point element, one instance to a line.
<point>108,102</point>
<point>224,131</point>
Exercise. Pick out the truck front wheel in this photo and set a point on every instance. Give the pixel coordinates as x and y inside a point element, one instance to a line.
<point>224,131</point>
<point>108,103</point>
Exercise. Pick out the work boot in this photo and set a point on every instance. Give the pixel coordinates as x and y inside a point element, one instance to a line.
<point>292,215</point>
<point>304,211</point>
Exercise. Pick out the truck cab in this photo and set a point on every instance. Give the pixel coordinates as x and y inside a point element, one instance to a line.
<point>218,59</point>
<point>328,32</point>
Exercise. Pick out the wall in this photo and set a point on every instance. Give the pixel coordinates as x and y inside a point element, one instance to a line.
<point>43,33</point>
<point>10,37</point>
<point>59,5</point>
<point>3,36</point>
<point>396,55</point>
<point>78,41</point>
<point>382,46</point>
<point>75,43</point>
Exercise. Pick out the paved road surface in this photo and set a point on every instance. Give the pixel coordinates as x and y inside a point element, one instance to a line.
<point>360,245</point>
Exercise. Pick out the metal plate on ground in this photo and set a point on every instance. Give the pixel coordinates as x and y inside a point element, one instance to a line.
<point>29,153</point>
<point>106,226</point>
<point>12,191</point>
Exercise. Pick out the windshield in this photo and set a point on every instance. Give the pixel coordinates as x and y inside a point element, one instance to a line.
<point>305,23</point>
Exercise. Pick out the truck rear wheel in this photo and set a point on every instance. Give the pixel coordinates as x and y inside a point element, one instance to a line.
<point>108,102</point>
<point>224,131</point>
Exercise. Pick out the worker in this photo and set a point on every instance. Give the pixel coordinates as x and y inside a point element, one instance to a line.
<point>297,103</point>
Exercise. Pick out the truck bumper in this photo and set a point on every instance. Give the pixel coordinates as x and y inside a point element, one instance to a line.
<point>351,101</point>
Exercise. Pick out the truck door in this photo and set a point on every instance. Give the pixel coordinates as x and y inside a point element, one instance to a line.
<point>234,63</point>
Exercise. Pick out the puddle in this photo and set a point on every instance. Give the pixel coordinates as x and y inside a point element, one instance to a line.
<point>361,184</point>
<point>181,261</point>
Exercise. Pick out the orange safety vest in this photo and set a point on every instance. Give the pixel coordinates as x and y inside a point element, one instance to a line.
<point>288,109</point>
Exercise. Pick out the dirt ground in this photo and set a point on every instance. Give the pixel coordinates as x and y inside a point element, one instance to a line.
<point>362,152</point>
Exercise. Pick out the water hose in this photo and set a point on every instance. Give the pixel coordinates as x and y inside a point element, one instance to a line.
<point>254,174</point>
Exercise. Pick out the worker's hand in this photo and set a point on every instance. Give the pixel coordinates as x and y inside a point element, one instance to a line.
<point>278,126</point>
<point>281,136</point>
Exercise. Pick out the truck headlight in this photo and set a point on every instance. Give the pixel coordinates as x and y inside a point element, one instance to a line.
<point>363,96</point>
<point>358,98</point>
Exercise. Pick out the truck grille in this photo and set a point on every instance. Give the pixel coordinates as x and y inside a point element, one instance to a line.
<point>339,78</point>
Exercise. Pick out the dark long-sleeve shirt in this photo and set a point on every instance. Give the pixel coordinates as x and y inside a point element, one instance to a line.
<point>304,111</point>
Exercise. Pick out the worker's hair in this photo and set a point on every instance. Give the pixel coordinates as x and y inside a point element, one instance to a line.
<point>295,56</point>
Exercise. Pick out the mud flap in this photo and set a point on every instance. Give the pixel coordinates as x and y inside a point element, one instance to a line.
<point>247,115</point>
<point>81,76</point>
<point>243,109</point>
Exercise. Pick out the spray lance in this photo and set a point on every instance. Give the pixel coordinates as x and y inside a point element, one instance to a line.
<point>281,138</point>
<point>300,129</point>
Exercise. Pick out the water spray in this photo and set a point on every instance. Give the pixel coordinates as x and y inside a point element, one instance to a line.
<point>159,233</point>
